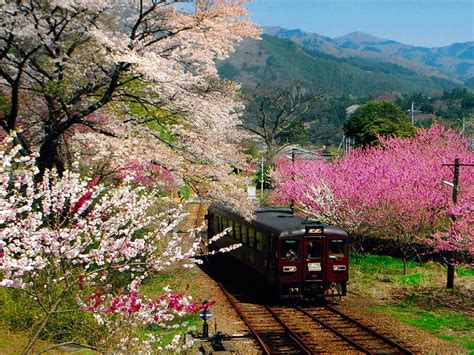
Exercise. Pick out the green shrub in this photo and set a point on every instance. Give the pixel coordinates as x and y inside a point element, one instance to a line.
<point>20,313</point>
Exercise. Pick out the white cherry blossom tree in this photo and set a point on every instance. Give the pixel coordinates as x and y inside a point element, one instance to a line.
<point>73,238</point>
<point>147,66</point>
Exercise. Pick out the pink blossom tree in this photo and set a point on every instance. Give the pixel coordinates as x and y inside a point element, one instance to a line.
<point>458,235</point>
<point>69,237</point>
<point>395,190</point>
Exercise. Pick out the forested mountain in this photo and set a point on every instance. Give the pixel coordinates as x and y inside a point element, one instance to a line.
<point>275,61</point>
<point>455,62</point>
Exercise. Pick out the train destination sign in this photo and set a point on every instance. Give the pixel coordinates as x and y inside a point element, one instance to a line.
<point>314,267</point>
<point>314,230</point>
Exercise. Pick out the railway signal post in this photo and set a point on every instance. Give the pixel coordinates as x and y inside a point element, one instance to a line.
<point>205,314</point>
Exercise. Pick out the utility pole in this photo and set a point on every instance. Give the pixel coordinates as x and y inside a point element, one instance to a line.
<point>342,142</point>
<point>456,180</point>
<point>452,254</point>
<point>412,113</point>
<point>293,155</point>
<point>261,179</point>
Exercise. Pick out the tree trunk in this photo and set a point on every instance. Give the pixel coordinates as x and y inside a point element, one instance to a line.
<point>270,155</point>
<point>404,265</point>
<point>49,156</point>
<point>41,327</point>
<point>451,269</point>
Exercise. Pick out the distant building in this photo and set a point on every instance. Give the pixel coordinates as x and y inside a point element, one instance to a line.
<point>301,153</point>
<point>351,109</point>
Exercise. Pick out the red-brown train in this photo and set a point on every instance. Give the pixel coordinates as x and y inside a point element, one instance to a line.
<point>296,256</point>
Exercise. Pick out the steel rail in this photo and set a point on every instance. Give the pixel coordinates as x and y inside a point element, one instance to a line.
<point>371,331</point>
<point>260,341</point>
<point>296,338</point>
<point>335,331</point>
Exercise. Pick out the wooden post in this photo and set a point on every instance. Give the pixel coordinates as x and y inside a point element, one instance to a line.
<point>292,203</point>
<point>452,254</point>
<point>261,180</point>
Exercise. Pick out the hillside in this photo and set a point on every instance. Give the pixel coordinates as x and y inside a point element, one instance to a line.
<point>276,61</point>
<point>454,62</point>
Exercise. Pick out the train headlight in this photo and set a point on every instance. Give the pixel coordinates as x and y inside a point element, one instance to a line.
<point>339,267</point>
<point>289,269</point>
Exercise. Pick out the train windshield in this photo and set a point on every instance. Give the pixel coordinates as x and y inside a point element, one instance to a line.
<point>290,249</point>
<point>337,247</point>
<point>314,250</point>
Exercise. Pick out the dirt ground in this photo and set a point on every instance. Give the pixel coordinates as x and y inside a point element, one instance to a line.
<point>225,319</point>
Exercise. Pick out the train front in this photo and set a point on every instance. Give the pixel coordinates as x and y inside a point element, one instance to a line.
<point>313,263</point>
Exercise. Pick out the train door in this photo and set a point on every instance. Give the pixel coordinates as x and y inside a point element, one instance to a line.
<point>290,265</point>
<point>270,263</point>
<point>313,254</point>
<point>337,259</point>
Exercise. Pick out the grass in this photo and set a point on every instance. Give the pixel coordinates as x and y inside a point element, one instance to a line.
<point>418,298</point>
<point>20,317</point>
<point>12,343</point>
<point>447,325</point>
<point>466,271</point>
<point>373,269</point>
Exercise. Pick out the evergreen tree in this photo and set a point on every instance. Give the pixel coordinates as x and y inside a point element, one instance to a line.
<point>377,119</point>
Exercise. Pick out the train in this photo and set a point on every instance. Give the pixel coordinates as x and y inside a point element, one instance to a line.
<point>296,256</point>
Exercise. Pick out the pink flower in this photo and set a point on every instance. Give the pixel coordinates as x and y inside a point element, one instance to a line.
<point>86,196</point>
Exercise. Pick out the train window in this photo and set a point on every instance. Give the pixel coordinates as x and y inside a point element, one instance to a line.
<point>251,237</point>
<point>215,224</point>
<point>290,249</point>
<point>245,239</point>
<point>337,246</point>
<point>259,241</point>
<point>237,235</point>
<point>225,224</point>
<point>314,250</point>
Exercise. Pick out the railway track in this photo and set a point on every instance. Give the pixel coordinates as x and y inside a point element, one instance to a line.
<point>310,330</point>
<point>273,336</point>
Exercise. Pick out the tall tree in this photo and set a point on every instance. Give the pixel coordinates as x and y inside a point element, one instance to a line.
<point>276,116</point>
<point>138,64</point>
<point>377,119</point>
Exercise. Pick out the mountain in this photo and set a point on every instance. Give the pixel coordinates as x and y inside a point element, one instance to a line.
<point>274,61</point>
<point>359,37</point>
<point>454,62</point>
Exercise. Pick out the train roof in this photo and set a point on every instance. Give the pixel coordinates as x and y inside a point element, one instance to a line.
<point>282,221</point>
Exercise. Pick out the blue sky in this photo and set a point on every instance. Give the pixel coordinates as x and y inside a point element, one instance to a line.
<point>429,23</point>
